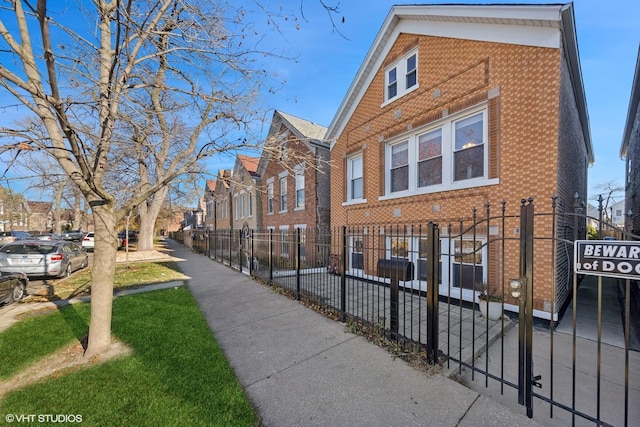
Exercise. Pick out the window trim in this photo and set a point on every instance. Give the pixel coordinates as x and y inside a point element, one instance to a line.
<point>401,77</point>
<point>270,196</point>
<point>447,152</point>
<point>282,199</point>
<point>349,177</point>
<point>299,172</point>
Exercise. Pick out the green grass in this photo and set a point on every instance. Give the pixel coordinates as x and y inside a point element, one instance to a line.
<point>177,374</point>
<point>139,273</point>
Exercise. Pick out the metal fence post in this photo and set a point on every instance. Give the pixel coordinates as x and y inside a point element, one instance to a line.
<point>298,264</point>
<point>240,250</point>
<point>433,315</point>
<point>343,276</point>
<point>271,257</point>
<point>525,346</point>
<point>251,272</point>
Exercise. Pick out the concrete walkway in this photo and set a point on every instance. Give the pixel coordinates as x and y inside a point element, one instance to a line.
<point>300,368</point>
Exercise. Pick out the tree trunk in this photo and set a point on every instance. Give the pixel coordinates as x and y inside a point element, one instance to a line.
<point>148,216</point>
<point>77,213</point>
<point>57,209</point>
<point>104,267</point>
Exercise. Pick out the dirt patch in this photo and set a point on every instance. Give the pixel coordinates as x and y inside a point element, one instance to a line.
<point>68,359</point>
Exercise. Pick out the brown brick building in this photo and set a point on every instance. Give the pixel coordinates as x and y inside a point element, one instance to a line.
<point>456,107</point>
<point>295,181</point>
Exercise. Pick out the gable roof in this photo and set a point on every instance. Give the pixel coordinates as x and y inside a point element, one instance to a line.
<point>249,163</point>
<point>40,207</point>
<point>309,133</point>
<point>303,129</point>
<point>210,185</point>
<point>545,25</point>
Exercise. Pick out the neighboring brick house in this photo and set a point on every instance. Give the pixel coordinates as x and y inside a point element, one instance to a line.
<point>630,151</point>
<point>454,107</point>
<point>244,184</point>
<point>295,172</point>
<point>40,216</point>
<point>210,203</point>
<point>222,199</point>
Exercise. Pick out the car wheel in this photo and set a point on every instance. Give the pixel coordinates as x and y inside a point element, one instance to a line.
<point>67,271</point>
<point>18,292</point>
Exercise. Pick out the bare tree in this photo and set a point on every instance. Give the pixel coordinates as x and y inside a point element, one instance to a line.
<point>136,61</point>
<point>608,192</point>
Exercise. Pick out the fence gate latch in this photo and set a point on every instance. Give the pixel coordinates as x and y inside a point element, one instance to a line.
<point>535,381</point>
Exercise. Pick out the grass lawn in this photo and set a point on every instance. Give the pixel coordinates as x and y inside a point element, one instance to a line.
<point>136,274</point>
<point>176,375</point>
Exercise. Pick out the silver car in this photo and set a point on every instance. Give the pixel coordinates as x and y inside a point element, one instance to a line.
<point>43,258</point>
<point>13,287</point>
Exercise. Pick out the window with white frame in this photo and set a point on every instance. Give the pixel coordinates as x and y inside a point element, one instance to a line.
<point>236,207</point>
<point>283,194</point>
<point>354,178</point>
<point>299,181</point>
<point>249,204</point>
<point>450,154</point>
<point>270,197</point>
<point>242,205</point>
<point>401,77</point>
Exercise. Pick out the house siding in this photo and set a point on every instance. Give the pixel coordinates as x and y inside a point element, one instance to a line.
<point>632,185</point>
<point>521,87</point>
<point>572,182</point>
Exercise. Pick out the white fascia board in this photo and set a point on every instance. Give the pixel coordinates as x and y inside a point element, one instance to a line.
<point>537,36</point>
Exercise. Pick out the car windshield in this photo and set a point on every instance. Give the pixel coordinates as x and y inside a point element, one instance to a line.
<point>28,249</point>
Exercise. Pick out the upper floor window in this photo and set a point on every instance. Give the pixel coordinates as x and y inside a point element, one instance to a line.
<point>299,177</point>
<point>397,86</point>
<point>283,194</point>
<point>270,198</point>
<point>354,178</point>
<point>235,207</point>
<point>249,204</point>
<point>450,155</point>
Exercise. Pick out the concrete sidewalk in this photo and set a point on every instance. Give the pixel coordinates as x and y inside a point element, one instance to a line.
<point>300,368</point>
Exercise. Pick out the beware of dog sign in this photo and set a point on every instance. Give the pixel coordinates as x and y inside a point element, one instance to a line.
<point>607,258</point>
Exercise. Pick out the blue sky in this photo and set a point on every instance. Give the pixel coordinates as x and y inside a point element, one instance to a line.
<point>326,63</point>
<point>608,40</point>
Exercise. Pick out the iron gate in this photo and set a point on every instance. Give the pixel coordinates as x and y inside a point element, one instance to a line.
<point>568,363</point>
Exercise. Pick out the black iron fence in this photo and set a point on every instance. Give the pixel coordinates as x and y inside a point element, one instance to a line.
<point>425,287</point>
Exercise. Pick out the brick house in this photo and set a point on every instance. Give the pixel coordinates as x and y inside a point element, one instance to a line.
<point>456,107</point>
<point>243,185</point>
<point>221,198</point>
<point>210,203</point>
<point>630,151</point>
<point>295,182</point>
<point>40,216</point>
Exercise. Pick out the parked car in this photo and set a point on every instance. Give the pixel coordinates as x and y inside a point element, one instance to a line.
<point>12,236</point>
<point>73,235</point>
<point>43,258</point>
<point>88,241</point>
<point>46,236</point>
<point>13,287</point>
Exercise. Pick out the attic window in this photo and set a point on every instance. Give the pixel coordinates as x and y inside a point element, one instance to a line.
<point>406,66</point>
